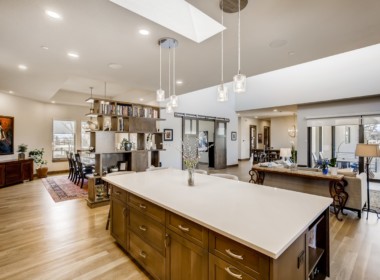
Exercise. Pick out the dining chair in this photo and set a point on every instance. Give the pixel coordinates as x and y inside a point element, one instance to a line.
<point>226,176</point>
<point>153,168</point>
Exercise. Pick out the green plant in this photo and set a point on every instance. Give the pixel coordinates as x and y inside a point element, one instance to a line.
<point>22,148</point>
<point>38,156</point>
<point>332,162</point>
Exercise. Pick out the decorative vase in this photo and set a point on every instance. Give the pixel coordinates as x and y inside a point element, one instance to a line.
<point>21,156</point>
<point>190,176</point>
<point>42,172</point>
<point>128,146</point>
<point>334,170</point>
<point>325,170</point>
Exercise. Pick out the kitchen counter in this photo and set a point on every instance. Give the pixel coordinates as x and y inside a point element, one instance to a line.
<point>276,217</point>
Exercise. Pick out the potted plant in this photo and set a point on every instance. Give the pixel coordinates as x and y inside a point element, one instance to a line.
<point>22,148</point>
<point>333,168</point>
<point>126,144</point>
<point>37,155</point>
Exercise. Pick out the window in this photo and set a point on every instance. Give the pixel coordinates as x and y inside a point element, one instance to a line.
<point>63,139</point>
<point>85,135</point>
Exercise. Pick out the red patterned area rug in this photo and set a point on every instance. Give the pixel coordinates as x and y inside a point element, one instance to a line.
<point>61,188</point>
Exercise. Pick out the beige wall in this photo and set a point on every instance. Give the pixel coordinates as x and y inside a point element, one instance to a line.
<point>279,132</point>
<point>34,124</point>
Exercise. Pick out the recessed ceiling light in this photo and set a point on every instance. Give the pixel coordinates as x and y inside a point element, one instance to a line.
<point>256,117</point>
<point>22,67</point>
<point>144,32</point>
<point>73,54</point>
<point>179,82</point>
<point>53,14</point>
<point>115,66</point>
<point>141,99</point>
<point>44,48</point>
<point>291,53</point>
<point>11,92</point>
<point>53,101</point>
<point>275,110</point>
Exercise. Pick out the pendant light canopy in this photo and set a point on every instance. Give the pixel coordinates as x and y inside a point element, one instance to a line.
<point>222,89</point>
<point>239,80</point>
<point>170,44</point>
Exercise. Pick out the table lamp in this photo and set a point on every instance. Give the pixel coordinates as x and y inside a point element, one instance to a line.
<point>369,151</point>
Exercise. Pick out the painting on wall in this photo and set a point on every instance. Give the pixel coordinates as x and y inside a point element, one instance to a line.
<point>6,135</point>
<point>168,134</point>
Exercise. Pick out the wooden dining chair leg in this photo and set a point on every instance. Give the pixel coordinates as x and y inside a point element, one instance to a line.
<point>108,219</point>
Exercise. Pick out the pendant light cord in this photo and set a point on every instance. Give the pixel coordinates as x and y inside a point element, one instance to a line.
<point>222,41</point>
<point>239,38</point>
<point>105,90</point>
<point>174,69</point>
<point>169,71</point>
<point>160,65</point>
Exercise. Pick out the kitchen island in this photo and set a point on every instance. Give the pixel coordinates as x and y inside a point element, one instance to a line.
<point>219,228</point>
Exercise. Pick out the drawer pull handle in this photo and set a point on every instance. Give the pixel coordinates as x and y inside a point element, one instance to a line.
<point>142,254</point>
<point>239,257</point>
<point>142,206</point>
<point>143,228</point>
<point>238,276</point>
<point>183,228</point>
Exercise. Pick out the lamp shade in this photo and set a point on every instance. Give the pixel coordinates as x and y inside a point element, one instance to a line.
<point>367,150</point>
<point>285,152</point>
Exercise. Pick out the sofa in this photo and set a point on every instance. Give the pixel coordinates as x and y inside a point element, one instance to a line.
<point>356,186</point>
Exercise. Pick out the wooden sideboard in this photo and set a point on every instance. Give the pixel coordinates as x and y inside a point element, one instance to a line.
<point>15,171</point>
<point>171,243</point>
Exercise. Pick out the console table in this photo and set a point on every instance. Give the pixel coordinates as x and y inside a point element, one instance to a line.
<point>15,171</point>
<point>311,182</point>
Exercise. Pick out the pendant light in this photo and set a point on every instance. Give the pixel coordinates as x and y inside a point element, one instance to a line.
<point>170,44</point>
<point>239,80</point>
<point>174,98</point>
<point>222,89</point>
<point>169,108</point>
<point>91,101</point>
<point>160,93</point>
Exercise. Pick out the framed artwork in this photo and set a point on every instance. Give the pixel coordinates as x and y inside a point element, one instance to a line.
<point>123,165</point>
<point>203,141</point>
<point>233,136</point>
<point>6,135</point>
<point>168,134</point>
<point>260,138</point>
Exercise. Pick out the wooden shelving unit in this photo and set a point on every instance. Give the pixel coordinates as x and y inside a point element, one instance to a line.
<point>121,117</point>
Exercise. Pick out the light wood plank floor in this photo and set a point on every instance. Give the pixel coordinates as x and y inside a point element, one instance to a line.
<point>40,239</point>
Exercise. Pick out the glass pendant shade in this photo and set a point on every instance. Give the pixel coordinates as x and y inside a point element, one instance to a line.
<point>174,101</point>
<point>160,95</point>
<point>169,108</point>
<point>222,93</point>
<point>239,83</point>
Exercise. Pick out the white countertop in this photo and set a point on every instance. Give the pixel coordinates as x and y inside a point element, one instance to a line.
<point>263,218</point>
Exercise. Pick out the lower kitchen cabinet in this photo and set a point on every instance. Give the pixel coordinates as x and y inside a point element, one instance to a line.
<point>119,222</point>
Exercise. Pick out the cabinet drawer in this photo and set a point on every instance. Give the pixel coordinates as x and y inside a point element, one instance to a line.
<point>244,258</point>
<point>155,212</point>
<point>147,256</point>
<point>119,194</point>
<point>187,229</point>
<point>149,230</point>
<point>222,270</point>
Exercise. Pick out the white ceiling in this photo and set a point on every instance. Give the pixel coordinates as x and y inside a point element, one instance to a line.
<point>103,33</point>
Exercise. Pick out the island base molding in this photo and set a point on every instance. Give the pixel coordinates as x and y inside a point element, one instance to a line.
<point>169,246</point>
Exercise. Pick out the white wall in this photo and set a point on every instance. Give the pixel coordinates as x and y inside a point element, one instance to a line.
<point>338,108</point>
<point>346,75</point>
<point>201,102</point>
<point>279,132</point>
<point>244,141</point>
<point>33,124</point>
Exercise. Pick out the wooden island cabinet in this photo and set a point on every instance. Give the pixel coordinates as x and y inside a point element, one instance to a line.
<point>167,227</point>
<point>15,171</point>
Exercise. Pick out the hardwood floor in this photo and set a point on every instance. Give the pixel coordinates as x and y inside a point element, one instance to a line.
<point>40,239</point>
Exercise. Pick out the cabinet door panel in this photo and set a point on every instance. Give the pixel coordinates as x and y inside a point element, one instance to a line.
<point>2,175</point>
<point>13,173</point>
<point>147,256</point>
<point>119,222</point>
<point>187,261</point>
<point>155,212</point>
<point>149,230</point>
<point>221,270</point>
<point>27,170</point>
